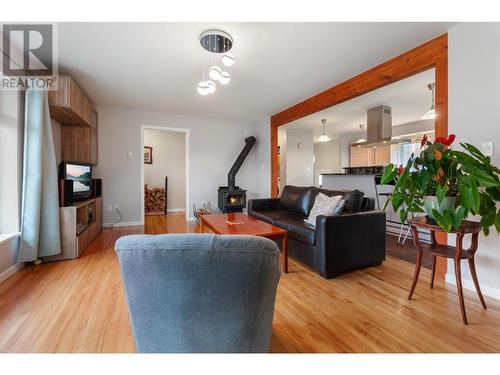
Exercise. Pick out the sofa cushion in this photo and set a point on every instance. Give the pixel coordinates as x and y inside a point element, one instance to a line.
<point>297,229</point>
<point>323,205</point>
<point>272,216</point>
<point>353,200</point>
<point>297,199</point>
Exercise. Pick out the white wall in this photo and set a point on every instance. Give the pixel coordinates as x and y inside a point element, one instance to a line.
<point>474,116</point>
<point>299,161</point>
<point>262,157</point>
<point>214,146</point>
<point>345,140</point>
<point>327,156</point>
<point>169,159</point>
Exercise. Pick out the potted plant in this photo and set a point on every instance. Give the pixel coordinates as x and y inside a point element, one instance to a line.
<point>448,185</point>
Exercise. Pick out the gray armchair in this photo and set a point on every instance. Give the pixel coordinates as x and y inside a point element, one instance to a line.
<point>197,293</point>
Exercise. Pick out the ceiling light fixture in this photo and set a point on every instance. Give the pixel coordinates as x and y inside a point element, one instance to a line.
<point>224,78</point>
<point>431,113</point>
<point>214,72</point>
<point>203,88</point>
<point>324,137</point>
<point>216,42</point>
<point>211,87</point>
<point>361,127</point>
<point>228,59</point>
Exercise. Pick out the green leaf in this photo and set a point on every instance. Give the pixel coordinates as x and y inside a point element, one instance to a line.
<point>474,151</point>
<point>389,174</point>
<point>440,193</point>
<point>458,217</point>
<point>494,193</point>
<point>488,220</point>
<point>397,201</point>
<point>469,197</point>
<point>444,220</point>
<point>403,215</point>
<point>497,221</point>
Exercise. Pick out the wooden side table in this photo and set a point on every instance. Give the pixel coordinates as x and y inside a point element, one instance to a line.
<point>457,253</point>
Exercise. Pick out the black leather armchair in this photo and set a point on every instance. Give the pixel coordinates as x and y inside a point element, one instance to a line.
<point>339,243</point>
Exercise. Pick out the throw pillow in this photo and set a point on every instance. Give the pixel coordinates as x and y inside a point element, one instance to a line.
<point>323,205</point>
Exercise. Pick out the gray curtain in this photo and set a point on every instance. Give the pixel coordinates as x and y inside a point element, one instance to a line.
<point>40,235</point>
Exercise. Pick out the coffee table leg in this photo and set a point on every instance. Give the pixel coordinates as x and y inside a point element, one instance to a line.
<point>284,245</point>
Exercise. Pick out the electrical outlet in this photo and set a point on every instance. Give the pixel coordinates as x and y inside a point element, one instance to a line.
<point>117,206</point>
<point>110,208</point>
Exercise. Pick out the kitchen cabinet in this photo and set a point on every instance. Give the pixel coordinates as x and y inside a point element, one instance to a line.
<point>365,157</point>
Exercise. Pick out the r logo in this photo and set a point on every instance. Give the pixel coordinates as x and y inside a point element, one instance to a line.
<point>27,50</point>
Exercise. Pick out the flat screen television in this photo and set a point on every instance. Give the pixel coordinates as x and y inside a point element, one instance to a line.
<point>81,174</point>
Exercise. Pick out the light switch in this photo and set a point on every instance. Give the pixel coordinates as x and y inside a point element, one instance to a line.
<point>487,148</point>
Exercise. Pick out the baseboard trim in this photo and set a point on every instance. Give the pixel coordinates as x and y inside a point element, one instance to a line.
<point>469,284</point>
<point>123,224</point>
<point>10,271</point>
<point>176,209</point>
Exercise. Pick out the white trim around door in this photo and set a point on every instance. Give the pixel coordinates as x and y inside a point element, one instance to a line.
<point>186,150</point>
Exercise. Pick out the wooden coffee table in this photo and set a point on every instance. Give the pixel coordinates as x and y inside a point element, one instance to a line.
<point>239,223</point>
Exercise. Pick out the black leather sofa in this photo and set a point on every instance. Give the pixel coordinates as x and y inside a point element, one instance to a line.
<point>339,243</point>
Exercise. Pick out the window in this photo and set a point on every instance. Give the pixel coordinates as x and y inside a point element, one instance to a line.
<point>10,103</point>
<point>400,153</point>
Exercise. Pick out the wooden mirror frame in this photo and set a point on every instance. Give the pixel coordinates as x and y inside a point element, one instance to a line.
<point>432,54</point>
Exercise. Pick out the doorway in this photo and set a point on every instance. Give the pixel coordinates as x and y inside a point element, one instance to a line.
<point>164,171</point>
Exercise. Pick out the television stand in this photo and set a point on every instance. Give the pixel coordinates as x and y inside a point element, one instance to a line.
<point>80,223</point>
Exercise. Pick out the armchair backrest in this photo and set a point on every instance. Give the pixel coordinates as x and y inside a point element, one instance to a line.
<point>200,292</point>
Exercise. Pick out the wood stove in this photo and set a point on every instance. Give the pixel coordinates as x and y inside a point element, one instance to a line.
<point>231,197</point>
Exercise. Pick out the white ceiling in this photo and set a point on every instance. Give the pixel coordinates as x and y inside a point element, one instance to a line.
<point>409,99</point>
<point>156,66</point>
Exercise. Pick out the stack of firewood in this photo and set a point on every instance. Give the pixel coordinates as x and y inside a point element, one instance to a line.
<point>155,200</point>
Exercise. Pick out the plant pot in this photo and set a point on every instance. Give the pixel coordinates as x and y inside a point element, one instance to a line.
<point>431,202</point>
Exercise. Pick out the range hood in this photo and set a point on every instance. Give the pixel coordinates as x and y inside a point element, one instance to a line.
<point>379,128</point>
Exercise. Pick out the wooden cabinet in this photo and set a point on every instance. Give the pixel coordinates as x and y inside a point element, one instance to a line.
<point>365,157</point>
<point>79,143</point>
<point>361,157</point>
<point>382,155</point>
<point>79,122</point>
<point>69,105</point>
<point>80,224</point>
<point>93,138</point>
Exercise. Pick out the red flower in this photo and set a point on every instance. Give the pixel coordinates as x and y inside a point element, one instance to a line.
<point>423,141</point>
<point>400,169</point>
<point>446,141</point>
<point>450,139</point>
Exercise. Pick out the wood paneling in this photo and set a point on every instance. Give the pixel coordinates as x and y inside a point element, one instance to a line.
<point>68,104</point>
<point>79,143</point>
<point>75,143</point>
<point>428,55</point>
<point>382,155</point>
<point>79,306</point>
<point>361,157</point>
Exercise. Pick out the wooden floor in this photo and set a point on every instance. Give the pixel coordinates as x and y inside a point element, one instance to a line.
<point>79,306</point>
